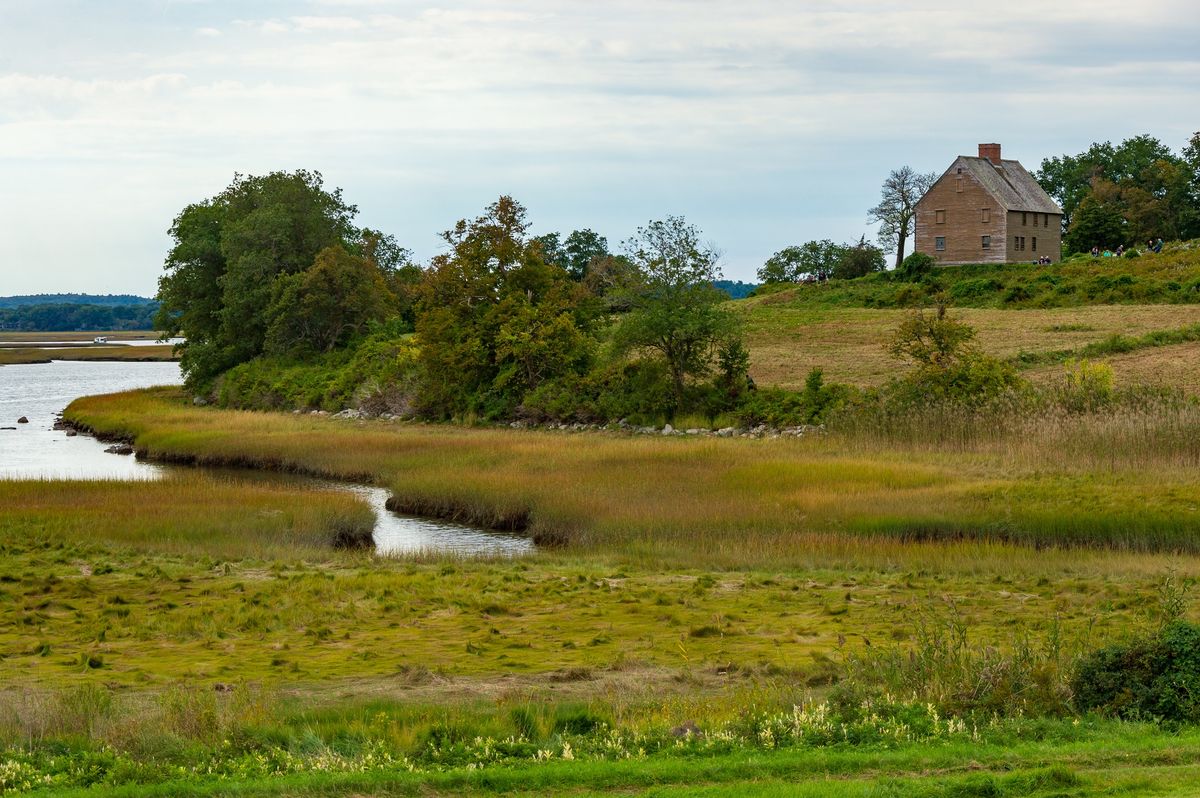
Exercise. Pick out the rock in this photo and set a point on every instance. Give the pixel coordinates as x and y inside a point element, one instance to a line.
<point>70,433</point>
<point>120,448</point>
<point>22,420</point>
<point>726,432</point>
<point>7,427</point>
<point>221,687</point>
<point>686,729</point>
<point>199,401</point>
<point>668,430</point>
<point>348,413</point>
<point>692,431</point>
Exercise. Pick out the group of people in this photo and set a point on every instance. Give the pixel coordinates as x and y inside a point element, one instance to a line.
<point>1151,246</point>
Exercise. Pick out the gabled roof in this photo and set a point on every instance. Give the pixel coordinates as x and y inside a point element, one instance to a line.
<point>1009,183</point>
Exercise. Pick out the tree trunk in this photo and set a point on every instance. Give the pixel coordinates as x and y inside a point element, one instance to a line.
<point>900,251</point>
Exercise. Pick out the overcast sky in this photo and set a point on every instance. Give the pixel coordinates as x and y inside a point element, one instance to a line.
<point>764,123</point>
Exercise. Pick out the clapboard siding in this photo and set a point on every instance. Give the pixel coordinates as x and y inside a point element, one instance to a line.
<point>963,227</point>
<point>1017,212</point>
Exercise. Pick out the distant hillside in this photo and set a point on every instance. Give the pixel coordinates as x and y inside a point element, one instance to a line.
<point>736,290</point>
<point>103,300</point>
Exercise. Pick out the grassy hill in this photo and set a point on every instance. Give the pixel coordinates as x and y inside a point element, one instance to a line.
<point>1170,277</point>
<point>1141,315</point>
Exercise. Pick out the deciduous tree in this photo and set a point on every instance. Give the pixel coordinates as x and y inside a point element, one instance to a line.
<point>327,305</point>
<point>228,252</point>
<point>897,208</point>
<point>494,320</point>
<point>676,312</point>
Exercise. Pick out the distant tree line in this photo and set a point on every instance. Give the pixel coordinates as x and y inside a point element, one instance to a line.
<point>74,299</point>
<point>735,288</point>
<point>65,316</point>
<point>1126,194</point>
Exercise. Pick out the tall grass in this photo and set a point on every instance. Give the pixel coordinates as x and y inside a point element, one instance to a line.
<point>190,514</point>
<point>31,354</point>
<point>1119,480</point>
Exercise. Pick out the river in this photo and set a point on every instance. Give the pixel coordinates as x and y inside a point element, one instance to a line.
<point>35,450</point>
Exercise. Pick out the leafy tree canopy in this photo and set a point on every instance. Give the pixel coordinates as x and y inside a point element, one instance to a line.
<point>495,319</point>
<point>576,254</point>
<point>228,253</point>
<point>327,305</point>
<point>676,312</point>
<point>815,260</point>
<point>1155,192</point>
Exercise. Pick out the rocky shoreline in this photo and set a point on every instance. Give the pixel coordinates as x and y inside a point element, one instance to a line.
<point>622,426</point>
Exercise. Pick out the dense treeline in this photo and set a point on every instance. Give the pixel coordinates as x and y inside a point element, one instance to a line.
<point>66,316</point>
<point>285,302</point>
<point>1126,194</point>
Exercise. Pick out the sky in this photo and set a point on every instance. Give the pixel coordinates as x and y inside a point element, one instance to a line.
<point>765,124</point>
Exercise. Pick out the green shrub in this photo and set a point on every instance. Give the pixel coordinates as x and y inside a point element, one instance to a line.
<point>1017,293</point>
<point>971,289</point>
<point>638,390</point>
<point>916,266</point>
<point>1086,387</point>
<point>1155,676</point>
<point>777,407</point>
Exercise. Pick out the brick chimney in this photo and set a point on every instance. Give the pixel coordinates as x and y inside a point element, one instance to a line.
<point>991,152</point>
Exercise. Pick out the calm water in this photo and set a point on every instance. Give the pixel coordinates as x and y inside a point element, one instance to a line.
<point>74,344</point>
<point>37,451</point>
<point>41,390</point>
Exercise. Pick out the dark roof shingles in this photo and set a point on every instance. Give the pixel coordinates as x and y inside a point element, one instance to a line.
<point>1010,184</point>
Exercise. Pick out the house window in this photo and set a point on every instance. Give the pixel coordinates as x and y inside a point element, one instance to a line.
<point>1024,221</point>
<point>985,215</point>
<point>939,217</point>
<point>958,184</point>
<point>939,243</point>
<point>1035,220</point>
<point>1016,243</point>
<point>1045,220</point>
<point>987,242</point>
<point>1034,247</point>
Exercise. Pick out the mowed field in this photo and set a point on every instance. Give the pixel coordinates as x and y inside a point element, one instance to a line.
<point>787,341</point>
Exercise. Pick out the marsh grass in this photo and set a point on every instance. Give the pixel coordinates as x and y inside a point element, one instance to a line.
<point>32,354</point>
<point>1120,480</point>
<point>189,514</point>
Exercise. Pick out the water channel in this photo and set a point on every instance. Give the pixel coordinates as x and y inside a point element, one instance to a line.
<point>35,450</point>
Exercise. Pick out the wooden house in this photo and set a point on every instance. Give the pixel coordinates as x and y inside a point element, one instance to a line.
<point>988,210</point>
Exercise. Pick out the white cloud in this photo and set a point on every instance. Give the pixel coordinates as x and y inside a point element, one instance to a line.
<point>770,120</point>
